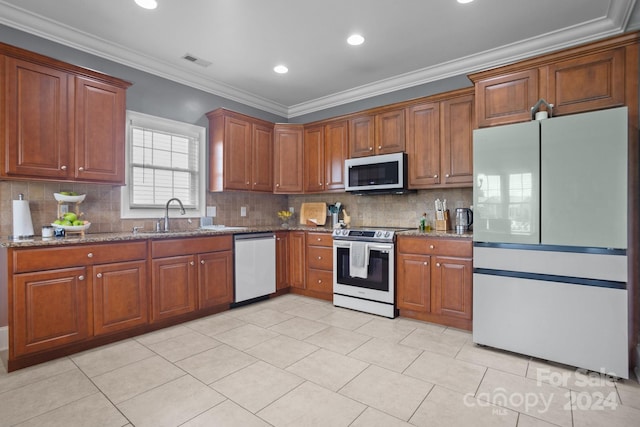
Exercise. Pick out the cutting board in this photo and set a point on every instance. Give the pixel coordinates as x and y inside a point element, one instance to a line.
<point>315,211</point>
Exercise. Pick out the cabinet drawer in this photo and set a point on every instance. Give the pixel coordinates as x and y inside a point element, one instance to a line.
<point>36,259</point>
<point>193,245</point>
<point>320,257</point>
<point>320,281</point>
<point>319,239</point>
<point>428,246</point>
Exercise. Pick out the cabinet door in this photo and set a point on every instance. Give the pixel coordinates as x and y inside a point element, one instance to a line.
<point>451,286</point>
<point>215,279</point>
<point>50,309</point>
<point>173,287</point>
<point>506,99</point>
<point>320,281</point>
<point>414,282</point>
<point>336,151</point>
<point>314,162</point>
<point>36,135</point>
<point>119,296</point>
<point>390,132</point>
<point>237,154</point>
<point>297,262</point>
<point>288,161</point>
<point>361,136</point>
<point>100,133</point>
<point>282,260</point>
<point>262,158</point>
<point>588,83</point>
<point>457,140</point>
<point>423,145</point>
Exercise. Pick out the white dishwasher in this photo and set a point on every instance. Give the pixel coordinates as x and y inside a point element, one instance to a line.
<point>255,266</point>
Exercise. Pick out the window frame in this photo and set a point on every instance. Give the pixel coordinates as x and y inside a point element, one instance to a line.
<point>171,126</point>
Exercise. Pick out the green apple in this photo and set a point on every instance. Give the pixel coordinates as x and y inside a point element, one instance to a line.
<point>70,216</point>
<point>78,222</point>
<point>58,222</point>
<point>67,223</point>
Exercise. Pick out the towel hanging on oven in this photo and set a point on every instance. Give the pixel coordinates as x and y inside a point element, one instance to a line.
<point>359,260</point>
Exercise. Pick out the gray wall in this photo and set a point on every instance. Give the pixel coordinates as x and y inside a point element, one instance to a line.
<point>161,97</point>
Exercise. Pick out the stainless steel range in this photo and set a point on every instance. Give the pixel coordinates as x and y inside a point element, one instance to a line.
<point>364,269</point>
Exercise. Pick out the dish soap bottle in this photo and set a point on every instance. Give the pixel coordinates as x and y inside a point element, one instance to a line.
<point>423,222</point>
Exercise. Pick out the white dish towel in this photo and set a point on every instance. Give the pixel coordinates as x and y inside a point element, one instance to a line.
<point>359,260</point>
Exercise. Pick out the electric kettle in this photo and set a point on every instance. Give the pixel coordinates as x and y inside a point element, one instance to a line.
<point>464,218</point>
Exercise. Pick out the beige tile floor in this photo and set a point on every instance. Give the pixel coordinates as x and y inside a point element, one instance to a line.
<point>295,361</point>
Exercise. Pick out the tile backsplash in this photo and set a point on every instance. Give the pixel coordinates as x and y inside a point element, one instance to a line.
<point>102,207</point>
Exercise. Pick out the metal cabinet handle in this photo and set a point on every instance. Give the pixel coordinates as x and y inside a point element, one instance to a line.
<point>370,148</point>
<point>379,147</point>
<point>192,263</point>
<point>277,185</point>
<point>202,261</point>
<point>425,263</point>
<point>80,277</point>
<point>431,246</point>
<point>319,239</point>
<point>99,275</point>
<point>437,264</point>
<point>446,176</point>
<point>319,280</point>
<point>319,257</point>
<point>63,167</point>
<point>80,168</point>
<point>90,255</point>
<point>435,176</point>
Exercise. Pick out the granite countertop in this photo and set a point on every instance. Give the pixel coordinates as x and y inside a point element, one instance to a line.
<point>427,234</point>
<point>143,235</point>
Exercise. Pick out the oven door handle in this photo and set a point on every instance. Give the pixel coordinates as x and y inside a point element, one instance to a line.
<point>371,246</point>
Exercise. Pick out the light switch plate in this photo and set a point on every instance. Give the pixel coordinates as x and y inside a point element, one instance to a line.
<point>211,211</point>
<point>243,211</point>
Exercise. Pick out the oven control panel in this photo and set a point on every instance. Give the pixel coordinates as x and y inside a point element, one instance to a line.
<point>372,235</point>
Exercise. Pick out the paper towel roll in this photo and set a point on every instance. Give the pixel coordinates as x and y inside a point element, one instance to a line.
<point>22,225</point>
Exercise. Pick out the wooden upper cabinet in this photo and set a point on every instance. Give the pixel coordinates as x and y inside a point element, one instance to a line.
<point>314,159</point>
<point>288,158</point>
<point>325,150</point>
<point>100,131</point>
<point>439,141</point>
<point>36,120</point>
<point>423,144</point>
<point>589,77</point>
<point>457,123</point>
<point>262,160</point>
<point>390,132</point>
<point>591,82</point>
<point>506,98</point>
<point>382,133</point>
<point>240,152</point>
<point>62,122</point>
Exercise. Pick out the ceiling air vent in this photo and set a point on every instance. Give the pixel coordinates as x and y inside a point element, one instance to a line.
<point>196,60</point>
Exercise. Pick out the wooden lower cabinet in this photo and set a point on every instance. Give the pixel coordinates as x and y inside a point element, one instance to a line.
<point>215,279</point>
<point>297,260</point>
<point>50,309</point>
<point>173,287</point>
<point>320,265</point>
<point>282,260</point>
<point>434,280</point>
<point>119,296</point>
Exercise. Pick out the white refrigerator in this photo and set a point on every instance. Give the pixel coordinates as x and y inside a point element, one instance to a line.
<point>550,239</point>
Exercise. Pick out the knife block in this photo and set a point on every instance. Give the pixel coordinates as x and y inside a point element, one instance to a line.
<point>443,224</point>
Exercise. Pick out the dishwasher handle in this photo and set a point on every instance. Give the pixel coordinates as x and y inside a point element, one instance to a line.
<point>253,236</point>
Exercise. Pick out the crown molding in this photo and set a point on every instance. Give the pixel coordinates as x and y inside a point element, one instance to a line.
<point>615,22</point>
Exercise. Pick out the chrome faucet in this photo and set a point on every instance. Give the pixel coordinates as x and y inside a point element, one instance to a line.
<point>166,212</point>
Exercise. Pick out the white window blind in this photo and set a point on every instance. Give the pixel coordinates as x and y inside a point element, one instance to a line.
<point>165,159</point>
<point>163,165</point>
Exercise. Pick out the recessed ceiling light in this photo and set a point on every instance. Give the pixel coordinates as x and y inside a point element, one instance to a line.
<point>147,4</point>
<point>355,40</point>
<point>280,69</point>
<point>464,1</point>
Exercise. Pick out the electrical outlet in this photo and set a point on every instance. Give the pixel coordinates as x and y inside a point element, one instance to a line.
<point>243,211</point>
<point>211,211</point>
<point>64,209</point>
<point>292,209</point>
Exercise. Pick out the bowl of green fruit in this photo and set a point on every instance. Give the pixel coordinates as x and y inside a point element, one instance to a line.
<point>69,196</point>
<point>71,222</point>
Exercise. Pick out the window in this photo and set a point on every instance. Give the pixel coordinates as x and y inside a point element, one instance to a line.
<point>165,159</point>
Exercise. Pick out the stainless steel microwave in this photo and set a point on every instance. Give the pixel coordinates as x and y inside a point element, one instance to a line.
<point>386,173</point>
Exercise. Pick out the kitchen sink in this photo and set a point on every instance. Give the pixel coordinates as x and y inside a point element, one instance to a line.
<point>219,227</point>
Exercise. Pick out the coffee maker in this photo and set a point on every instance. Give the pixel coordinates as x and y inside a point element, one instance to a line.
<point>464,218</point>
